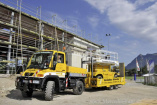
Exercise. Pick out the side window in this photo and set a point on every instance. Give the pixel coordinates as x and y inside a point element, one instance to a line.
<point>60,58</point>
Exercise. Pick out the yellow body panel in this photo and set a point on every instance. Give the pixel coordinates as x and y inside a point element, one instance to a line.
<point>71,69</point>
<point>107,80</point>
<point>60,69</point>
<point>42,72</point>
<point>94,82</point>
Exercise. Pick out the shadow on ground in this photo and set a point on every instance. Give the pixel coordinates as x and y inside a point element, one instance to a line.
<point>39,95</point>
<point>16,94</point>
<point>95,89</point>
<point>98,89</point>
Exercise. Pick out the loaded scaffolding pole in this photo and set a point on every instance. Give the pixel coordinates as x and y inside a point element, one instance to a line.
<point>54,16</point>
<point>17,43</point>
<point>21,33</point>
<point>42,33</point>
<point>63,41</point>
<point>10,40</point>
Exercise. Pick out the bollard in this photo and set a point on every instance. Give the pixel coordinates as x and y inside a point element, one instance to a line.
<point>134,77</point>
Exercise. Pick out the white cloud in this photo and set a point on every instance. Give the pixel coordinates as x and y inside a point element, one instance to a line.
<point>142,2</point>
<point>125,15</point>
<point>101,5</point>
<point>93,21</point>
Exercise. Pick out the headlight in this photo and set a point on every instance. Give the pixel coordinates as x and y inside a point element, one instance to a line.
<point>36,81</point>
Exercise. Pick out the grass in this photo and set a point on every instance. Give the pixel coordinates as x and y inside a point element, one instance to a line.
<point>132,77</point>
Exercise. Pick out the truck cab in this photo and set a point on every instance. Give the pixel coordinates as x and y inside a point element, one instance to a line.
<point>47,71</point>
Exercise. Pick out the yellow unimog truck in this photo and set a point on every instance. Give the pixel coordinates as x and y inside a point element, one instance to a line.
<point>100,70</point>
<point>47,71</point>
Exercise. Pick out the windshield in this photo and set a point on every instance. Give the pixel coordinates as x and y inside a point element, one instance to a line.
<point>41,60</point>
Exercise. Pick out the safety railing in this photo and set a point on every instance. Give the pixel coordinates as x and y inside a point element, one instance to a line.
<point>101,56</point>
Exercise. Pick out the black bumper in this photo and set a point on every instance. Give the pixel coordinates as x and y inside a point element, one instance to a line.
<point>25,83</point>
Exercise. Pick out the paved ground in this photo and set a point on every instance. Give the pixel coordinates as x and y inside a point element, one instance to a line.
<point>131,93</point>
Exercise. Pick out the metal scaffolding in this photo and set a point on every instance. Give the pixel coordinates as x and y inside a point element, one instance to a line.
<point>22,34</point>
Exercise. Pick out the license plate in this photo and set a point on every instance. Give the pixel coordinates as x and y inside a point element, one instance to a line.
<point>25,81</point>
<point>35,81</point>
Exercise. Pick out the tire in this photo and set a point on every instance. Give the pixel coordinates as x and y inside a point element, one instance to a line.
<point>110,88</point>
<point>26,94</point>
<point>94,88</point>
<point>49,91</point>
<point>99,77</point>
<point>115,86</point>
<point>78,90</point>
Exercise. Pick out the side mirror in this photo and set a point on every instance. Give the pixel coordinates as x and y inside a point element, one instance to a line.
<point>66,62</point>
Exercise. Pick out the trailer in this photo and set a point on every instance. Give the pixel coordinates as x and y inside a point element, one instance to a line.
<point>101,72</point>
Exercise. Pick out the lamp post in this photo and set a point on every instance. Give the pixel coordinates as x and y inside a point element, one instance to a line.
<point>108,40</point>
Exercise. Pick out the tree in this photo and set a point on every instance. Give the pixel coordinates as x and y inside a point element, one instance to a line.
<point>131,72</point>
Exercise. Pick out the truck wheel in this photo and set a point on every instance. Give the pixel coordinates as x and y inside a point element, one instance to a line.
<point>99,77</point>
<point>78,90</point>
<point>26,94</point>
<point>49,91</point>
<point>115,86</point>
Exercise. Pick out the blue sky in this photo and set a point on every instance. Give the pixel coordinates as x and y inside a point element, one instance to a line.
<point>131,23</point>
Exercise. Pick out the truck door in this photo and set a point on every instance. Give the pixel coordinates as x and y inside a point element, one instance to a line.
<point>61,65</point>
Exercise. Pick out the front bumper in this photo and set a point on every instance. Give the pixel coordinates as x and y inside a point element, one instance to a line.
<point>25,83</point>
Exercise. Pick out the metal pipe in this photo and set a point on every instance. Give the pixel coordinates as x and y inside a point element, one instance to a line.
<point>92,66</point>
<point>81,62</point>
<point>62,40</point>
<point>10,40</point>
<point>42,33</point>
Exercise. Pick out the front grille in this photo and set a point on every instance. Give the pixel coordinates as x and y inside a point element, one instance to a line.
<point>29,74</point>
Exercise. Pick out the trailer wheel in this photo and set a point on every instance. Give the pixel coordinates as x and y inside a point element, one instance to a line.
<point>110,88</point>
<point>115,86</point>
<point>26,94</point>
<point>94,87</point>
<point>99,77</point>
<point>49,91</point>
<point>78,90</point>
